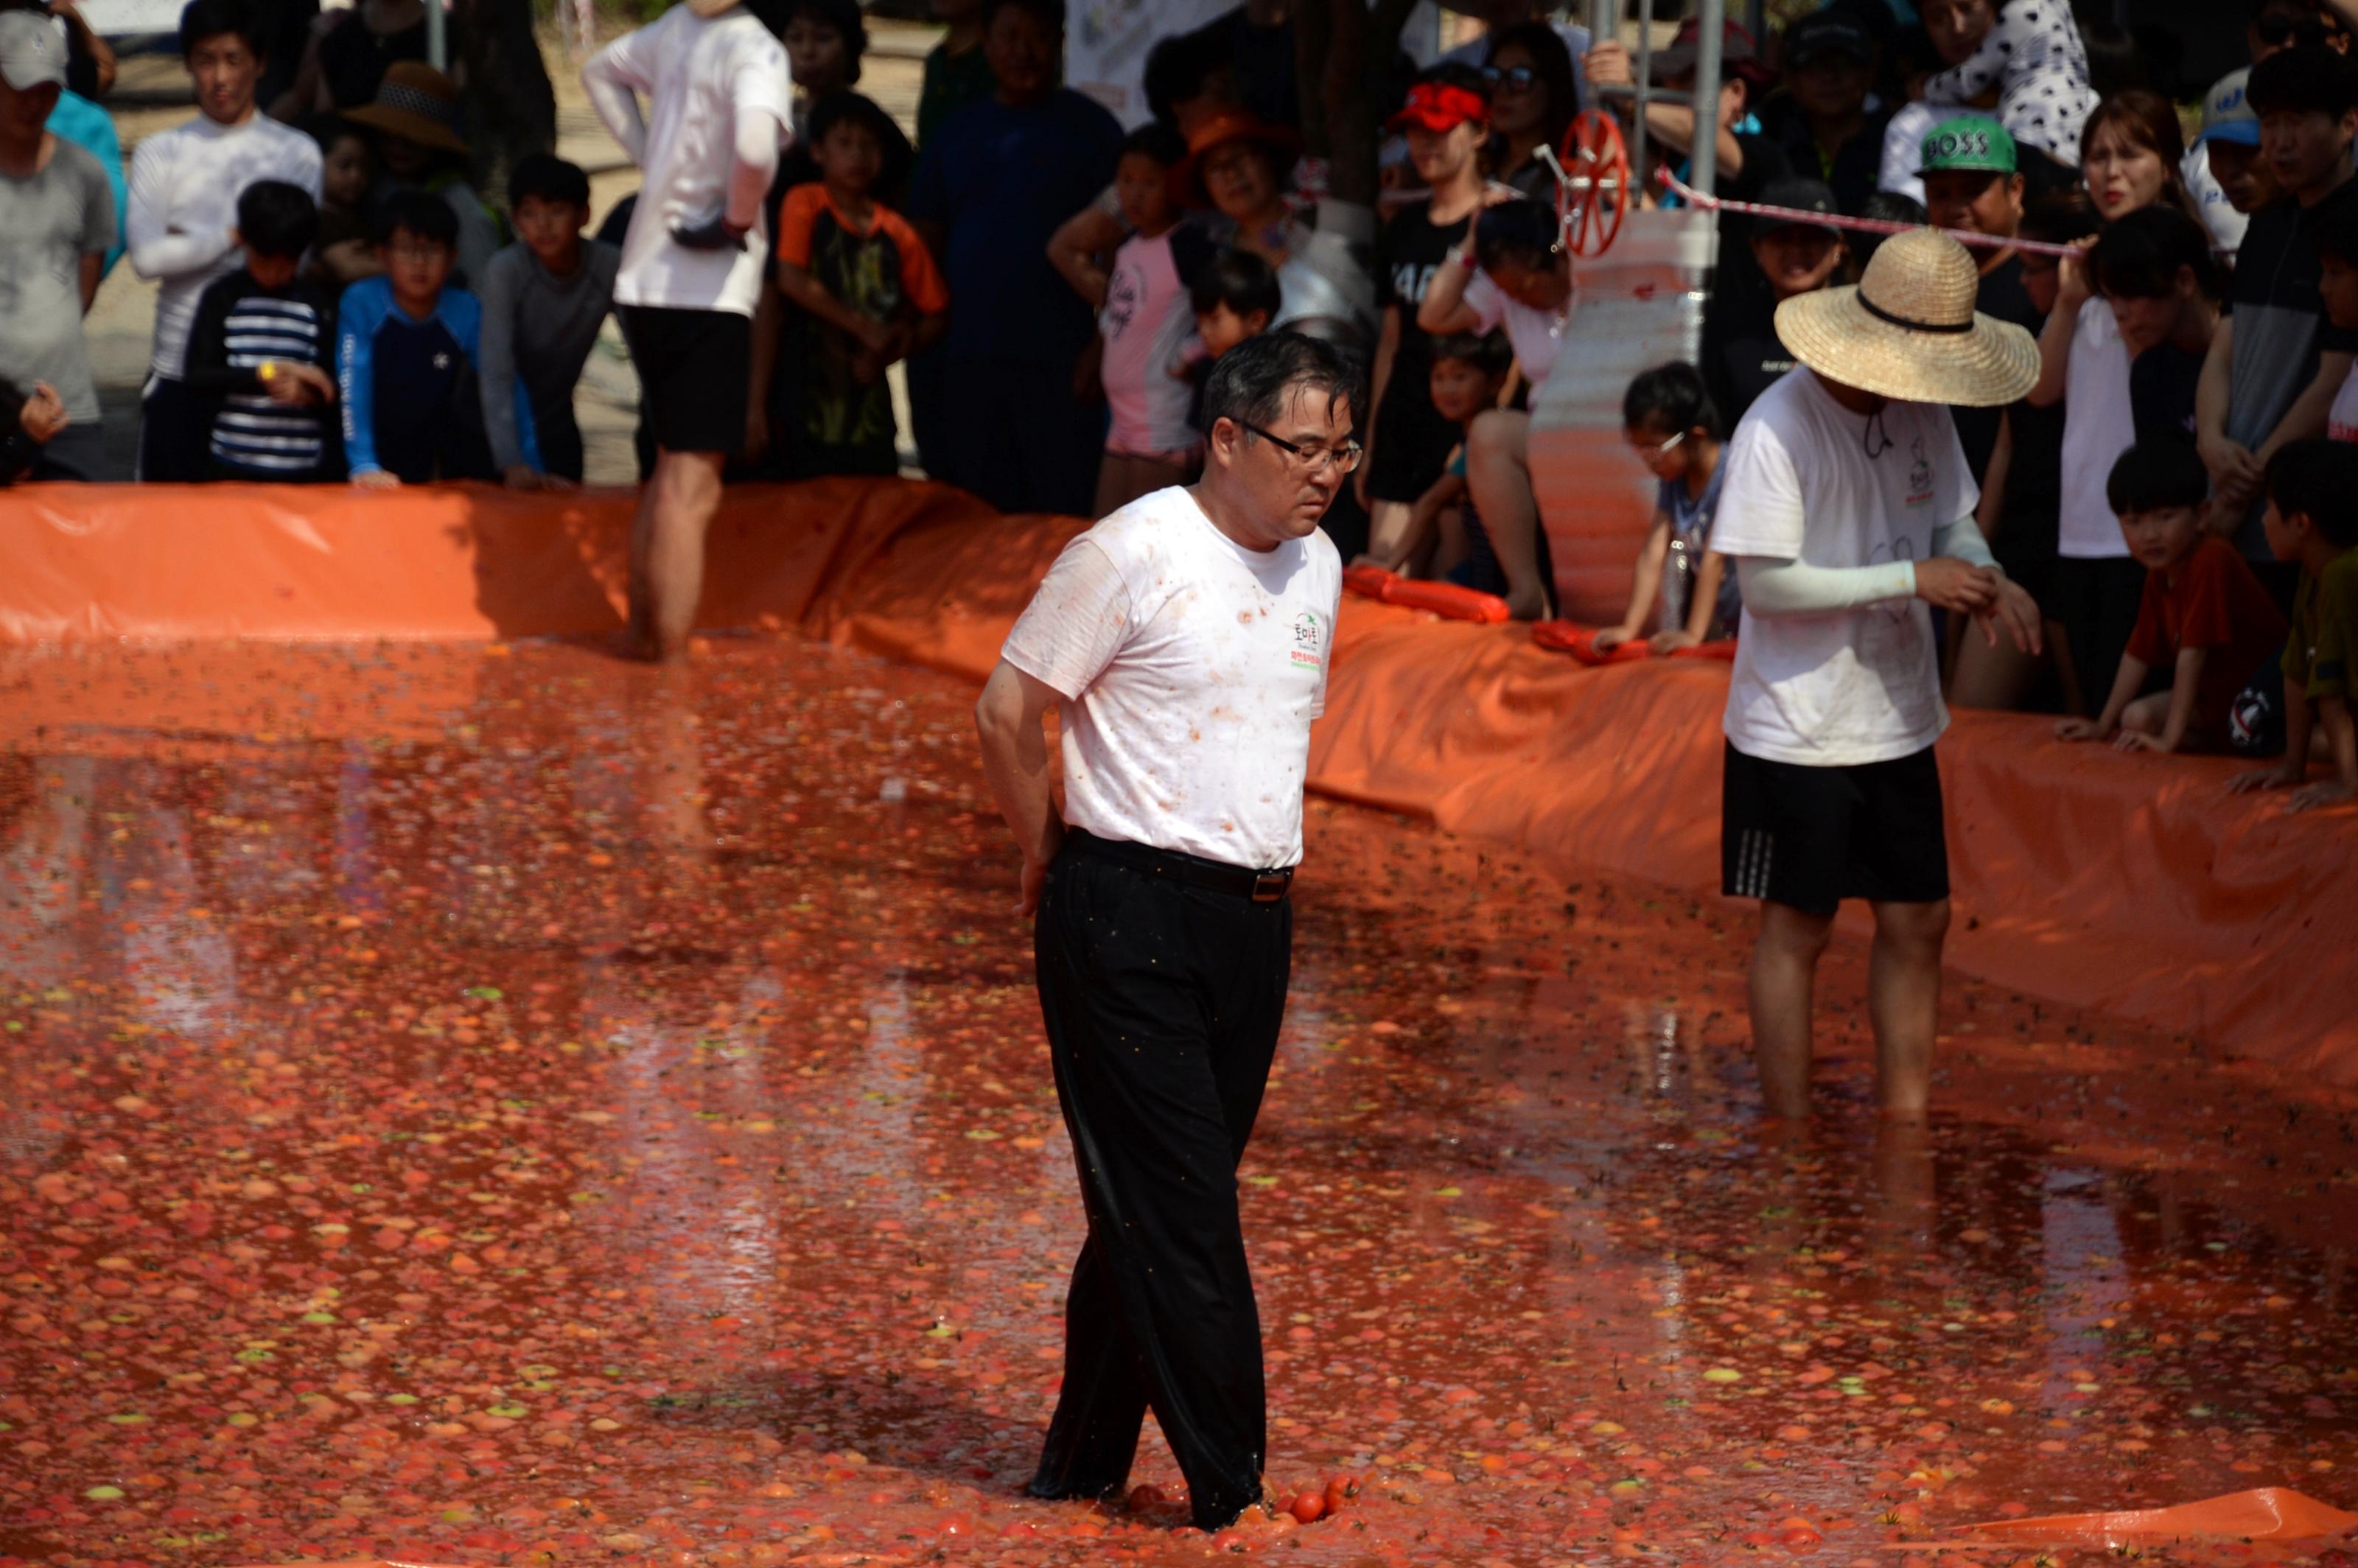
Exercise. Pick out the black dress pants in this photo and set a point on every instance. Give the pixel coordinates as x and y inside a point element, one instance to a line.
<point>1163,1003</point>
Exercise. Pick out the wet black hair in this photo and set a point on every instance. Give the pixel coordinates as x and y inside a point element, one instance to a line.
<point>275,218</point>
<point>419,212</point>
<point>1238,279</point>
<point>2139,254</point>
<point>545,176</point>
<point>202,19</point>
<point>2303,81</point>
<point>854,109</point>
<point>1522,231</point>
<point>2335,231</point>
<point>1158,140</point>
<point>2318,479</point>
<point>2158,473</point>
<point>1252,383</point>
<point>1488,352</point>
<point>1670,397</point>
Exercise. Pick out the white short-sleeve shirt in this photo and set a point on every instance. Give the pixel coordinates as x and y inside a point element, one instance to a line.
<point>2098,426</point>
<point>1191,668</point>
<point>696,73</point>
<point>1535,334</point>
<point>1807,480</point>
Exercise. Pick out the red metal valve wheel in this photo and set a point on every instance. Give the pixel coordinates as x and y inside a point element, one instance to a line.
<point>1596,192</point>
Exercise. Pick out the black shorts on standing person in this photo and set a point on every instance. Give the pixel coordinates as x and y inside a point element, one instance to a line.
<point>1811,837</point>
<point>695,368</point>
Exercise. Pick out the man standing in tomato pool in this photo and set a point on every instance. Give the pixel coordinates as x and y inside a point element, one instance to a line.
<point>694,264</point>
<point>1186,639</point>
<point>1846,506</point>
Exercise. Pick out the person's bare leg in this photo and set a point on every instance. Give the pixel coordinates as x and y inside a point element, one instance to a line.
<point>1387,525</point>
<point>1903,1001</point>
<point>2147,715</point>
<point>688,493</point>
<point>640,636</point>
<point>1499,473</point>
<point>1996,679</point>
<point>1784,978</point>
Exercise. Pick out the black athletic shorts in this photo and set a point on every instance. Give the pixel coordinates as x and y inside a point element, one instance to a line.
<point>695,368</point>
<point>1811,837</point>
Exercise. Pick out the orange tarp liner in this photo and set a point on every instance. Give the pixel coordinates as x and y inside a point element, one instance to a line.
<point>2264,1513</point>
<point>2133,884</point>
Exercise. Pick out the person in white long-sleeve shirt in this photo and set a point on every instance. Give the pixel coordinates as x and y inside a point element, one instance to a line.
<point>182,219</point>
<point>695,262</point>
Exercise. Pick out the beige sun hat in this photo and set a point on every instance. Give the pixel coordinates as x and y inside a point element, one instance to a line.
<point>1909,331</point>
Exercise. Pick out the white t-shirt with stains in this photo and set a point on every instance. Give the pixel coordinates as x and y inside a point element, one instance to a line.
<point>1191,668</point>
<point>1806,480</point>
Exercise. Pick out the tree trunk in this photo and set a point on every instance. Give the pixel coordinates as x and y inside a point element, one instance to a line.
<point>1343,53</point>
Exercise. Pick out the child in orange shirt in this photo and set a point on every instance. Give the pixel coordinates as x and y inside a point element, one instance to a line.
<point>869,290</point>
<point>2203,614</point>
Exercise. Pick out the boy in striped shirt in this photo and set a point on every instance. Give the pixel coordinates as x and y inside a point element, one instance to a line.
<point>262,350</point>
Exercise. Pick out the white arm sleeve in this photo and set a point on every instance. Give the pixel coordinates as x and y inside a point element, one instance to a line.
<point>756,163</point>
<point>1962,539</point>
<point>612,89</point>
<point>1774,588</point>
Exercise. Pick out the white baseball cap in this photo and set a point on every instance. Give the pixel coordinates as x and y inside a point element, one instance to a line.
<point>32,50</point>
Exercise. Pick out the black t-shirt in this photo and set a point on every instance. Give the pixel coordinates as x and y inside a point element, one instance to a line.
<point>354,59</point>
<point>1856,166</point>
<point>1408,253</point>
<point>2034,474</point>
<point>2003,296</point>
<point>2162,383</point>
<point>1750,359</point>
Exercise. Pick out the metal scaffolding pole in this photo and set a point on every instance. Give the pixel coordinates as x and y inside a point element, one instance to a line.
<point>1704,157</point>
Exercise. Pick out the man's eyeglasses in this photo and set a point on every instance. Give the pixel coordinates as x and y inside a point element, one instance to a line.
<point>1520,79</point>
<point>1343,458</point>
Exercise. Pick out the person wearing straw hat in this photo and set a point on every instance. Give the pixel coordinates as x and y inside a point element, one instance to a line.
<point>415,122</point>
<point>1848,511</point>
<point>694,265</point>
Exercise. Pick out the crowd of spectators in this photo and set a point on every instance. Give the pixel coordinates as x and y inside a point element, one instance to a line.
<point>339,299</point>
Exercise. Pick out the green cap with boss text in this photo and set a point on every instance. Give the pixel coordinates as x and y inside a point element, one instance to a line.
<point>1969,142</point>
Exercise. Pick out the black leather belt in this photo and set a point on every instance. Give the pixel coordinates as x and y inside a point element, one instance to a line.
<point>1216,876</point>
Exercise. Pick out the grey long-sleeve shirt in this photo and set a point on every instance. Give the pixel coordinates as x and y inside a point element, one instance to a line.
<point>540,327</point>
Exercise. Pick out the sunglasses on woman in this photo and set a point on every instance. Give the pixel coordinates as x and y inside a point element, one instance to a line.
<point>1520,77</point>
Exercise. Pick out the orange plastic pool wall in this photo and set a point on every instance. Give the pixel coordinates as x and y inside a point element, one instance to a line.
<point>2138,886</point>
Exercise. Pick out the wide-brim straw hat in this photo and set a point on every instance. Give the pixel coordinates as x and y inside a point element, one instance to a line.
<point>416,100</point>
<point>1909,330</point>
